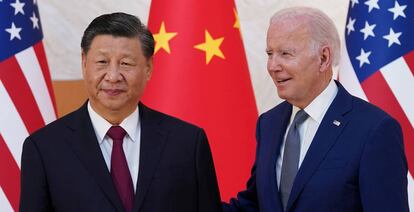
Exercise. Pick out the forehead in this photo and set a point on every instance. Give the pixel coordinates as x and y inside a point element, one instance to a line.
<point>110,43</point>
<point>289,31</point>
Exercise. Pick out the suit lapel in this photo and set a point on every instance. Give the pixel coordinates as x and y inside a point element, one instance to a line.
<point>85,145</point>
<point>277,126</point>
<point>324,139</point>
<point>153,140</point>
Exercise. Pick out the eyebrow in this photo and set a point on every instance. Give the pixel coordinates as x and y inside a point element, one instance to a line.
<point>289,49</point>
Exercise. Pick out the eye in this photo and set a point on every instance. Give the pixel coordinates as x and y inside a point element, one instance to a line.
<point>284,53</point>
<point>127,63</point>
<point>101,61</point>
<point>269,53</point>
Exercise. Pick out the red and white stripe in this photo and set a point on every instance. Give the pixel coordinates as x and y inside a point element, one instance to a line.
<point>27,104</point>
<point>4,203</point>
<point>390,89</point>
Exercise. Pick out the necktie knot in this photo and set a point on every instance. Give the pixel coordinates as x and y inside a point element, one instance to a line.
<point>300,117</point>
<point>117,133</point>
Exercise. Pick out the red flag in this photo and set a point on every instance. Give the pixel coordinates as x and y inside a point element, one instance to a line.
<point>26,96</point>
<point>201,76</point>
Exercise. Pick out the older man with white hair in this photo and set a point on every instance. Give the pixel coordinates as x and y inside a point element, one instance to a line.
<point>322,149</point>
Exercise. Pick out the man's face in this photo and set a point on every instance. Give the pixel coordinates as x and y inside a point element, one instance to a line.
<point>116,72</point>
<point>292,63</point>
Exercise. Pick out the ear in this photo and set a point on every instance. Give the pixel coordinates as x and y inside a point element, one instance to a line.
<point>83,63</point>
<point>325,58</point>
<point>149,68</point>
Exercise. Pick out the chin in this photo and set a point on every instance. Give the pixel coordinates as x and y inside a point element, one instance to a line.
<point>114,106</point>
<point>282,94</point>
<point>111,105</point>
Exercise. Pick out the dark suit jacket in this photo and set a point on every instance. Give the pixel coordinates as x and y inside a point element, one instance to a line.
<point>357,166</point>
<point>63,168</point>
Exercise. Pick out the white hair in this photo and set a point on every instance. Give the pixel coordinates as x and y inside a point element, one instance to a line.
<point>321,27</point>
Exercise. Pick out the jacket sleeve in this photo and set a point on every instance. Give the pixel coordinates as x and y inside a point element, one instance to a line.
<point>34,194</point>
<point>208,191</point>
<point>246,200</point>
<point>383,169</point>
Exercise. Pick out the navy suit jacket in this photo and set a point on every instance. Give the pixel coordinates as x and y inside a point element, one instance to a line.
<point>63,168</point>
<point>358,165</point>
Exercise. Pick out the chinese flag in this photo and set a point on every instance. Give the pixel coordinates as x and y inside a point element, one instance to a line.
<point>201,76</point>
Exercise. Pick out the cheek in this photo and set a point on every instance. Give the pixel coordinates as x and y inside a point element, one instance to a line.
<point>136,81</point>
<point>95,77</point>
<point>308,77</point>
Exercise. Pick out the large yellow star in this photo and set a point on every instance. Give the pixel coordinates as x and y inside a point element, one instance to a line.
<point>211,47</point>
<point>237,21</point>
<point>162,38</point>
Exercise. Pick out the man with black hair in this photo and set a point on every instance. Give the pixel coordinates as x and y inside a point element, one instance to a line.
<point>114,153</point>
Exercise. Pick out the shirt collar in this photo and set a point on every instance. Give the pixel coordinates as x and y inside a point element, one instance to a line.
<point>318,107</point>
<point>101,126</point>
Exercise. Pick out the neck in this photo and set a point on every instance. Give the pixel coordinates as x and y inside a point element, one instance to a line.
<point>316,92</point>
<point>115,117</point>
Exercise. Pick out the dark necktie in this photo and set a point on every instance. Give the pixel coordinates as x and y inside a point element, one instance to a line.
<point>291,157</point>
<point>119,168</point>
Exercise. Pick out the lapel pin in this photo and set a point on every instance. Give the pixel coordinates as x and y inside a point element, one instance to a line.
<point>337,123</point>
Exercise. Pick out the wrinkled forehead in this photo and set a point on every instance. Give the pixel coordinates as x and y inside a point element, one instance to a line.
<point>288,29</point>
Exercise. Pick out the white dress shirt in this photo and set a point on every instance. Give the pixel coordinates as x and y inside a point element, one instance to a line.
<point>307,130</point>
<point>131,144</point>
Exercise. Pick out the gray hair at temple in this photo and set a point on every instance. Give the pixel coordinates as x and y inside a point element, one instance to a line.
<point>322,28</point>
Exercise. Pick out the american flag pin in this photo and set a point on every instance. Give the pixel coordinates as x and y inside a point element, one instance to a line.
<point>337,123</point>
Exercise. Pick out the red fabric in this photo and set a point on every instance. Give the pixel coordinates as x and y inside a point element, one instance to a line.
<point>10,178</point>
<point>119,168</point>
<point>216,95</point>
<point>21,94</point>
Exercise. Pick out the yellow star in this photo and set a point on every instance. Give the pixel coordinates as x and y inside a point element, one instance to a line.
<point>236,22</point>
<point>162,38</point>
<point>211,47</point>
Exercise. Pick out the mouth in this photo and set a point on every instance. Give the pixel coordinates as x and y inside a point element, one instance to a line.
<point>112,92</point>
<point>282,81</point>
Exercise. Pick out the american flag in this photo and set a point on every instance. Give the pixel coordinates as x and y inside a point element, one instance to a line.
<point>26,96</point>
<point>378,62</point>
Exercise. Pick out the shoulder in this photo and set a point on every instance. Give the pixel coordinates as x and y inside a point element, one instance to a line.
<point>360,115</point>
<point>364,120</point>
<point>166,121</point>
<point>366,112</point>
<point>276,112</point>
<point>60,127</point>
<point>179,136</point>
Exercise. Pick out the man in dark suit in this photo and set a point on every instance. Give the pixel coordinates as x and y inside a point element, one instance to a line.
<point>114,153</point>
<point>322,149</point>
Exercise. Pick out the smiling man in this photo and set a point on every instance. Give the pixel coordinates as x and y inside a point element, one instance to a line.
<point>114,153</point>
<point>322,149</point>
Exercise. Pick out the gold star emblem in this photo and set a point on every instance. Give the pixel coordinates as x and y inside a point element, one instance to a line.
<point>236,22</point>
<point>211,47</point>
<point>162,38</point>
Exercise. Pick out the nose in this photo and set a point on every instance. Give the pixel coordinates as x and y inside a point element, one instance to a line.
<point>273,64</point>
<point>113,74</point>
